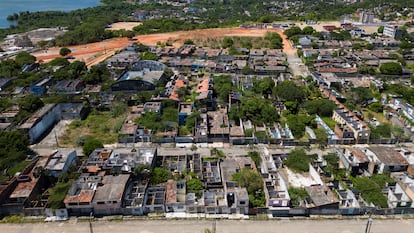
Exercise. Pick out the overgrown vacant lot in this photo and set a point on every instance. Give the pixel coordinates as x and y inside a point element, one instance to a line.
<point>100,125</point>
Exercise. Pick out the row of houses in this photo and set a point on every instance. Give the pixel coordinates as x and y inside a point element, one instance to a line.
<point>109,183</point>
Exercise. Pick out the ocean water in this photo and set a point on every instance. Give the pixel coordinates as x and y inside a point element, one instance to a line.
<point>8,7</point>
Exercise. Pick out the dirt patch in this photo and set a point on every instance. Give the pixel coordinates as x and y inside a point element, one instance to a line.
<point>85,52</point>
<point>124,25</point>
<point>94,53</point>
<point>177,38</point>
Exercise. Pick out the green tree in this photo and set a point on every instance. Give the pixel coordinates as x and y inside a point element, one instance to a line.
<point>293,31</point>
<point>258,110</point>
<point>30,103</point>
<point>275,40</point>
<point>150,120</point>
<point>194,186</point>
<point>298,122</point>
<point>308,30</point>
<point>23,58</point>
<point>42,44</point>
<point>222,87</point>
<point>227,42</point>
<point>247,70</point>
<point>142,171</point>
<point>160,175</point>
<point>266,19</point>
<point>391,68</point>
<point>360,96</point>
<point>58,194</point>
<point>298,161</point>
<point>322,107</point>
<point>59,61</point>
<point>370,190</point>
<point>188,41</point>
<point>380,29</point>
<point>148,56</point>
<point>97,74</point>
<point>9,68</point>
<point>253,182</point>
<point>297,195</point>
<point>376,107</point>
<point>264,86</point>
<point>249,179</point>
<point>64,51</point>
<point>255,156</point>
<point>287,90</point>
<point>90,145</point>
<point>191,120</point>
<point>13,148</point>
<point>381,131</point>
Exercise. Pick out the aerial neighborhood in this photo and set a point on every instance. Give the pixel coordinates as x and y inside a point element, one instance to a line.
<point>271,118</point>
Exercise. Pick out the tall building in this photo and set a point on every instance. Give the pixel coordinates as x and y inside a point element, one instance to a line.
<point>392,31</point>
<point>366,17</point>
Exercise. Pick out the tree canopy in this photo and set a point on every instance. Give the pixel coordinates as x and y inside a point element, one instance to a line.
<point>222,87</point>
<point>371,189</point>
<point>298,161</point>
<point>194,186</point>
<point>90,145</point>
<point>293,31</point>
<point>160,175</point>
<point>322,107</point>
<point>30,103</point>
<point>391,68</point>
<point>289,91</point>
<point>23,58</point>
<point>258,110</point>
<point>64,51</point>
<point>13,148</point>
<point>253,182</point>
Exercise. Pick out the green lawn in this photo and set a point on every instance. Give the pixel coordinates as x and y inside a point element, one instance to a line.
<point>331,123</point>
<point>99,125</point>
<point>379,116</point>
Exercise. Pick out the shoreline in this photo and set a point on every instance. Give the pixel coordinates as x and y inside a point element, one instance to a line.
<point>62,8</point>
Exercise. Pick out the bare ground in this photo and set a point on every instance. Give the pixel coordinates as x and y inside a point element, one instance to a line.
<point>93,53</point>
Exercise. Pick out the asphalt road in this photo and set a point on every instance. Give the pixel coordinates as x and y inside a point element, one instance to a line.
<point>222,226</point>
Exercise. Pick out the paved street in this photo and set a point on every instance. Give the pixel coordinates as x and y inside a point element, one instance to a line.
<point>223,226</point>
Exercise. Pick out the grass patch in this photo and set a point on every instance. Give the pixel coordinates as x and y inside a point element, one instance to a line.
<point>12,219</point>
<point>368,114</point>
<point>331,123</point>
<point>100,125</point>
<point>18,167</point>
<point>58,194</point>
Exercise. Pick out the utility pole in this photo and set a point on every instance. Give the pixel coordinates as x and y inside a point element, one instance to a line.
<point>56,138</point>
<point>90,222</point>
<point>214,226</point>
<point>369,223</point>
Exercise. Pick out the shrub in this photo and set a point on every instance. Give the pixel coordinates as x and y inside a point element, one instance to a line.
<point>298,161</point>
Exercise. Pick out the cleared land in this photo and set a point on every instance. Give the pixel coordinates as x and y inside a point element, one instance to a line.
<point>94,53</point>
<point>86,52</point>
<point>124,25</point>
